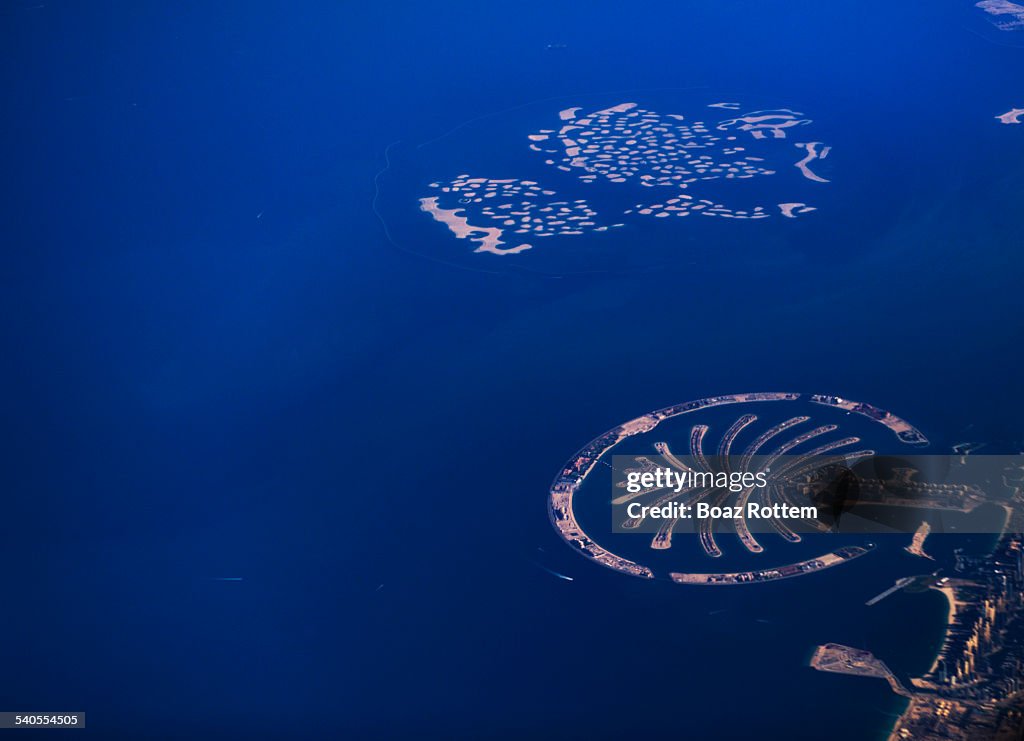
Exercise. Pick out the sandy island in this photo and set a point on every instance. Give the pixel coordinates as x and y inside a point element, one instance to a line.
<point>813,153</point>
<point>489,237</point>
<point>790,210</point>
<point>1012,116</point>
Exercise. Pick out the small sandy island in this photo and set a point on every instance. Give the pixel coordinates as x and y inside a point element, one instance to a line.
<point>916,547</point>
<point>815,151</point>
<point>1012,116</point>
<point>790,210</point>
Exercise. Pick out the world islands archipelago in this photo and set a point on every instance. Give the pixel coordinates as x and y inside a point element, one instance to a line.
<point>668,160</point>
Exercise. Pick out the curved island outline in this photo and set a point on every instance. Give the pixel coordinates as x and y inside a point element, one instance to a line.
<point>569,480</point>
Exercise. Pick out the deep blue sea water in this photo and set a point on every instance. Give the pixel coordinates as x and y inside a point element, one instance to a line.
<point>217,365</point>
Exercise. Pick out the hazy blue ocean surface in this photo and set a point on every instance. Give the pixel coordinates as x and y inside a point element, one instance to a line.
<point>219,366</point>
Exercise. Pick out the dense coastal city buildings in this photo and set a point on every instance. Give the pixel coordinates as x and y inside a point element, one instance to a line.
<point>974,688</point>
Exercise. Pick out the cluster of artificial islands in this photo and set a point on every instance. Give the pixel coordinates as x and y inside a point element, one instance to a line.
<point>626,145</point>
<point>519,207</point>
<point>1005,15</point>
<point>974,687</point>
<point>573,474</point>
<point>624,142</point>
